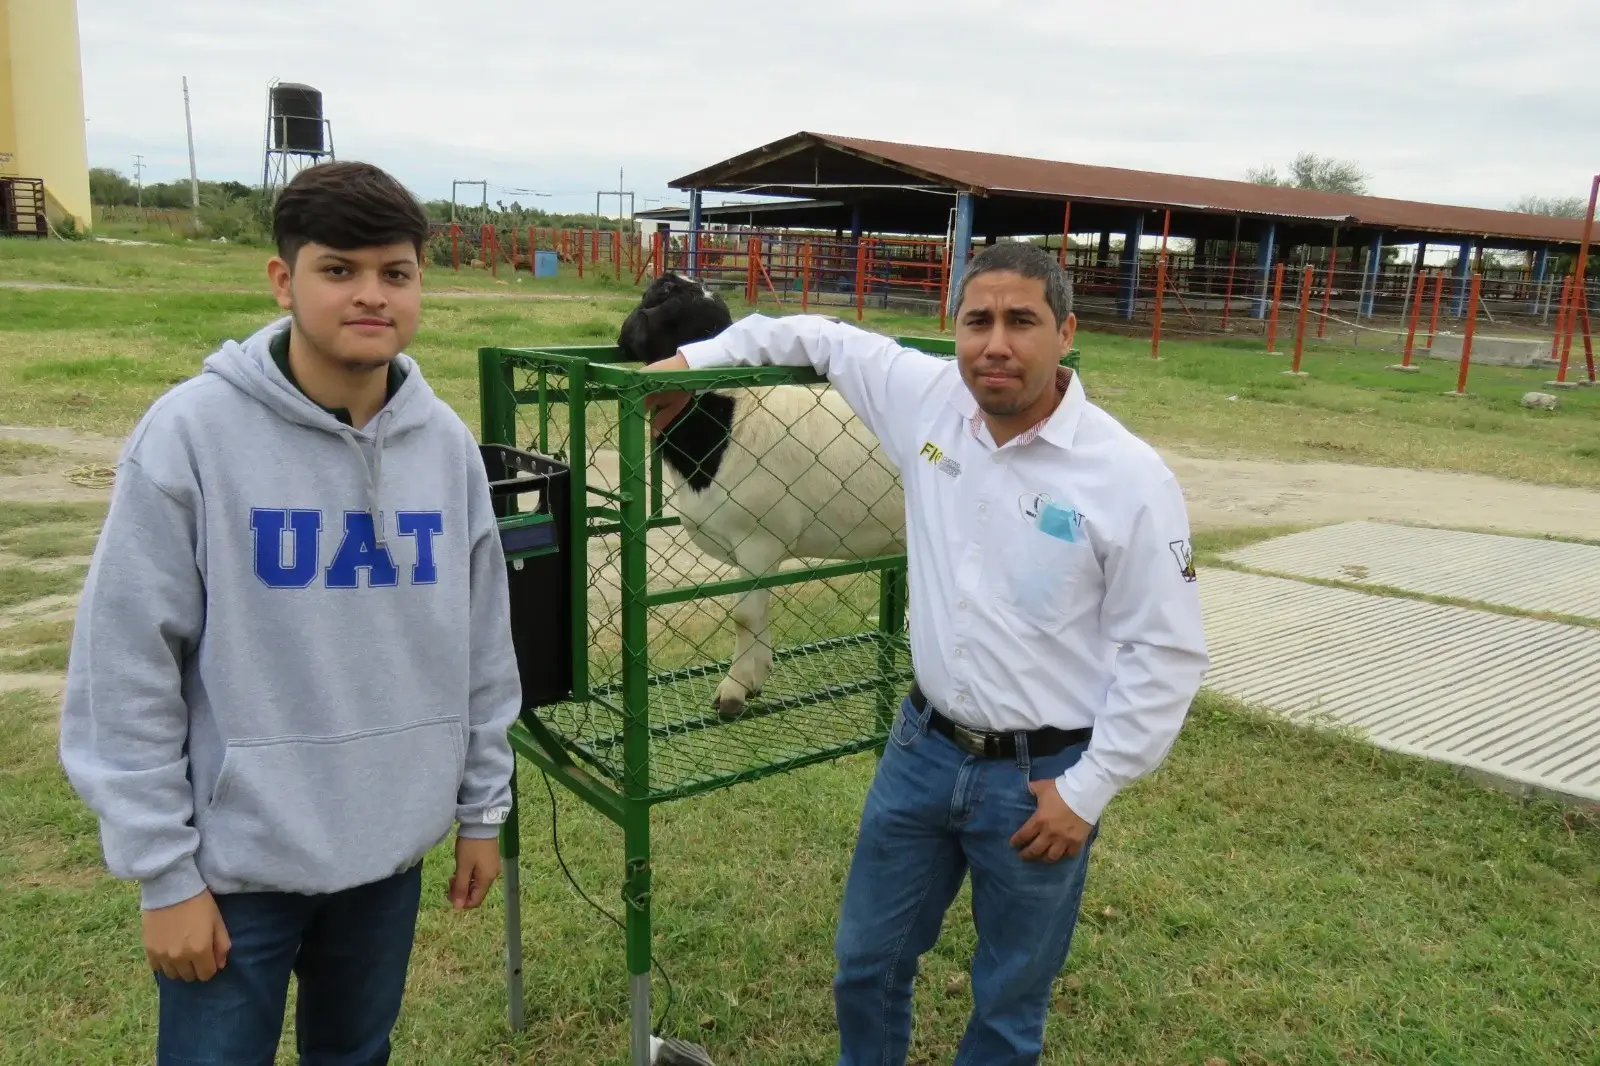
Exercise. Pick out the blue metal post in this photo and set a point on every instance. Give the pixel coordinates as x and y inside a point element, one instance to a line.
<point>1541,263</point>
<point>1264,258</point>
<point>1463,278</point>
<point>694,233</point>
<point>1130,264</point>
<point>962,247</point>
<point>1374,265</point>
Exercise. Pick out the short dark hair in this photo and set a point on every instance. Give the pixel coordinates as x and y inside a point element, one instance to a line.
<point>346,205</point>
<point>1029,260</point>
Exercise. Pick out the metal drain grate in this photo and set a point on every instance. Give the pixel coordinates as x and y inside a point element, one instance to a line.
<point>1512,697</point>
<point>1532,575</point>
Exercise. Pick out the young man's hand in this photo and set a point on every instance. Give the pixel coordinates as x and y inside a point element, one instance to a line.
<point>187,941</point>
<point>477,865</point>
<point>663,407</point>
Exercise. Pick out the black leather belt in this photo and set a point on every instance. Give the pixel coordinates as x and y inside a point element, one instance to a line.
<point>981,742</point>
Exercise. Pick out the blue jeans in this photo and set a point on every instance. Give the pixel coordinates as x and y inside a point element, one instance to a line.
<point>933,813</point>
<point>349,951</point>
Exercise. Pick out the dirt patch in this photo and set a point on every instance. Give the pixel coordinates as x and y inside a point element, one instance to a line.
<point>51,685</point>
<point>59,562</point>
<point>54,285</point>
<point>1244,492</point>
<point>85,446</point>
<point>43,609</point>
<point>45,863</point>
<point>1219,492</point>
<point>78,468</point>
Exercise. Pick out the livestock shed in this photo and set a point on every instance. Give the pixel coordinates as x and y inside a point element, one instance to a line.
<point>1367,251</point>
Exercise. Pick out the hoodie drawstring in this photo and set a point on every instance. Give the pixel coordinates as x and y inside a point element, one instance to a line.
<point>373,473</point>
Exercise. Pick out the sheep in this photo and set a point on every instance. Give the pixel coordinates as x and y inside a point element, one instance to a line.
<point>761,476</point>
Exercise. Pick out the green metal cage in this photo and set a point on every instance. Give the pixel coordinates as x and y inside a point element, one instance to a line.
<point>635,726</point>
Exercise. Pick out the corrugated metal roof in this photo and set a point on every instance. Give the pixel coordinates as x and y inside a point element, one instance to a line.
<point>991,174</point>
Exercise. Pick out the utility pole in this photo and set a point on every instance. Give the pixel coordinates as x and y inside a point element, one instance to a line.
<point>194,180</point>
<point>138,176</point>
<point>619,192</point>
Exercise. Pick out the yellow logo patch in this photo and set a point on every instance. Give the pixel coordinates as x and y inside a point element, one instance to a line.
<point>935,455</point>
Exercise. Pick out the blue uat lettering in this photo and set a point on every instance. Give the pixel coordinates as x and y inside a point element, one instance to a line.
<point>288,549</point>
<point>1060,522</point>
<point>424,526</point>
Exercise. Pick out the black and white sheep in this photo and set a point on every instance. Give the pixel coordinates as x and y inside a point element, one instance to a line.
<point>759,476</point>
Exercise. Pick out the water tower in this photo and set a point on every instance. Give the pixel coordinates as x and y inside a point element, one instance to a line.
<point>44,158</point>
<point>298,135</point>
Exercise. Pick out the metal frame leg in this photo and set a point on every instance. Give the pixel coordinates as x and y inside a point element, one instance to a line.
<point>636,894</point>
<point>639,1018</point>
<point>510,848</point>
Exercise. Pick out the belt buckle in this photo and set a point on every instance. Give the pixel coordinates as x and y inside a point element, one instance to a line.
<point>969,741</point>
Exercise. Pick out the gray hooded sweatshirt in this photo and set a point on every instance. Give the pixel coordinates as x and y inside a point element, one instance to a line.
<point>292,667</point>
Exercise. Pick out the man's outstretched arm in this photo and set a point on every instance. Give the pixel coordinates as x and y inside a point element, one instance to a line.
<point>883,382</point>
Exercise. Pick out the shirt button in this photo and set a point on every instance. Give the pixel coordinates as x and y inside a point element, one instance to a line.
<point>983,508</point>
<point>960,652</point>
<point>962,605</point>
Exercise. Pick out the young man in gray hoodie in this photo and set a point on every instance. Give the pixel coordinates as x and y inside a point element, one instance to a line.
<point>292,669</point>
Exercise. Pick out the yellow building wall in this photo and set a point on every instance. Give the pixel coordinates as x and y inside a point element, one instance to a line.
<point>8,126</point>
<point>42,131</point>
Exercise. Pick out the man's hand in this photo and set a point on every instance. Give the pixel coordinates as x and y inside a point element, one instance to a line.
<point>1054,831</point>
<point>663,407</point>
<point>187,941</point>
<point>477,865</point>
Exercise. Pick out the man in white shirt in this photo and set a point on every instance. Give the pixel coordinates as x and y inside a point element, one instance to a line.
<point>1056,642</point>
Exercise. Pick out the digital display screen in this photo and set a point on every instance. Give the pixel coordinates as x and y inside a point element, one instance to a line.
<point>532,537</point>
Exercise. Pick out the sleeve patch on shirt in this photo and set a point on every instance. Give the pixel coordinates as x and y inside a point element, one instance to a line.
<point>1182,552</point>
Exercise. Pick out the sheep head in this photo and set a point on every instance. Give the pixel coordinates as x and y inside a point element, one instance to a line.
<point>674,311</point>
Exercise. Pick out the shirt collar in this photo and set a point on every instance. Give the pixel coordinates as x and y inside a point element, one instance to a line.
<point>1058,429</point>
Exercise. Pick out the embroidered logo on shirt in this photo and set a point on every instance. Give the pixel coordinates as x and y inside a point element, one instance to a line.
<point>1185,556</point>
<point>496,815</point>
<point>1032,503</point>
<point>935,455</point>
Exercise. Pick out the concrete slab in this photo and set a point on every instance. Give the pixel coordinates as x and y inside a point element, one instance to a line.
<point>1509,698</point>
<point>1554,577</point>
<point>1489,350</point>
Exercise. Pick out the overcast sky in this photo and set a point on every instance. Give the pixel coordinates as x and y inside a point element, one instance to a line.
<point>1453,101</point>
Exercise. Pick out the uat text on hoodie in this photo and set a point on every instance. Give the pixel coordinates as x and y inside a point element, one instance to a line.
<point>292,666</point>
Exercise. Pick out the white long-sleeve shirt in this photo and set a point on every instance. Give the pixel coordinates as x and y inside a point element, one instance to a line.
<point>1050,580</point>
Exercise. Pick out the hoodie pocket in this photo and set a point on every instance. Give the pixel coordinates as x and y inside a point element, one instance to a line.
<point>319,814</point>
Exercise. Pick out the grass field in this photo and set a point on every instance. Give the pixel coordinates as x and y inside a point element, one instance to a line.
<point>95,359</point>
<point>1272,895</point>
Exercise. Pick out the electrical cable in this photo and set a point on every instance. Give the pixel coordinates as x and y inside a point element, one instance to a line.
<point>555,840</point>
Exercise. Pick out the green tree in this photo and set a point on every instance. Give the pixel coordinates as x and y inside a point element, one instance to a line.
<point>1312,171</point>
<point>108,188</point>
<point>1558,206</point>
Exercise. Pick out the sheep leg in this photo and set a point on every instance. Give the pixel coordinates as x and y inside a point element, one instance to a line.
<point>752,650</point>
<point>752,654</point>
